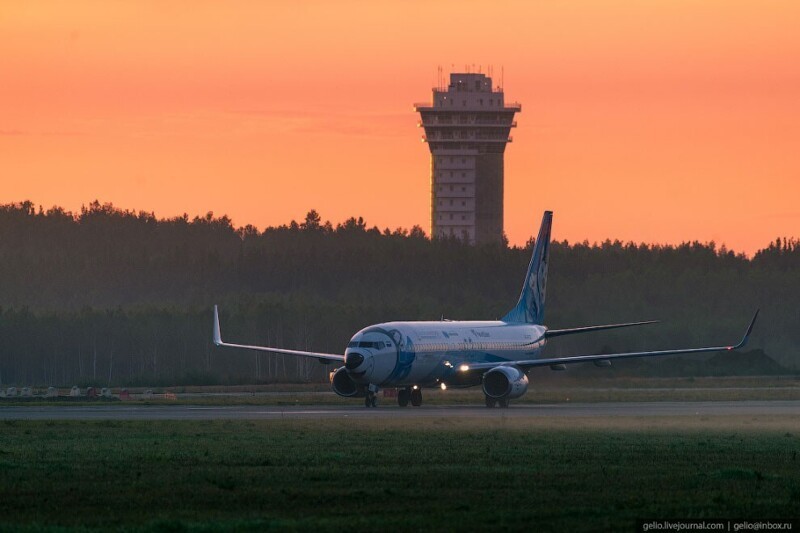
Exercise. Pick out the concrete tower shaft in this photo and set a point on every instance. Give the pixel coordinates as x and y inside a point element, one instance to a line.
<point>467,127</point>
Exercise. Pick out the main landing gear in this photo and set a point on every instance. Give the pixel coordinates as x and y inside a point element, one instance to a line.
<point>403,396</point>
<point>414,395</point>
<point>492,402</point>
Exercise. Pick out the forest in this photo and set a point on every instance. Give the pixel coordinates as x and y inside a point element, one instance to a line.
<point>115,297</point>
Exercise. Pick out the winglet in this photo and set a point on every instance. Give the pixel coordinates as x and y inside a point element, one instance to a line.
<point>216,333</point>
<point>217,338</point>
<point>746,335</point>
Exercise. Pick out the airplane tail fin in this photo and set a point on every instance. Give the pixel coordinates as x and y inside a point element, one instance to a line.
<point>530,307</point>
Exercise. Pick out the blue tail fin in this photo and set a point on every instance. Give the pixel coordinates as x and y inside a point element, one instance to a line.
<point>530,308</point>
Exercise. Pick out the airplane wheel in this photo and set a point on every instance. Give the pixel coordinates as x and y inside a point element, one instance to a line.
<point>403,397</point>
<point>371,400</point>
<point>416,397</point>
<point>503,402</point>
<point>490,402</point>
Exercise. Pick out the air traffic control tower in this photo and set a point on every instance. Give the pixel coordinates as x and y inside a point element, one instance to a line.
<point>467,127</point>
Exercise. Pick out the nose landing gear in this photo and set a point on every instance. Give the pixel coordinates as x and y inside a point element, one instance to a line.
<point>371,399</point>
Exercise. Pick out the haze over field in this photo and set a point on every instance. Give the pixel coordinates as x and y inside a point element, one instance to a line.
<point>661,121</point>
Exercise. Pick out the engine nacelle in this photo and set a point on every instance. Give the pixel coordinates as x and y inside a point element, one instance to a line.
<point>343,385</point>
<point>505,382</point>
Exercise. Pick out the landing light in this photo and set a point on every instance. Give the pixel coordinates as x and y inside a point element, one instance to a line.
<point>463,368</point>
<point>415,387</point>
<point>444,387</point>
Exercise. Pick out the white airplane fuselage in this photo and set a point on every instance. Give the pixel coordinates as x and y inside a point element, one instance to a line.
<point>404,354</point>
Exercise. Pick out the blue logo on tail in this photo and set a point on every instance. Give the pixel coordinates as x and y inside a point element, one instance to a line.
<point>530,307</point>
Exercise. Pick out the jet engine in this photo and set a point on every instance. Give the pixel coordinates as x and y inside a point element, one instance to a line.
<point>343,385</point>
<point>505,382</point>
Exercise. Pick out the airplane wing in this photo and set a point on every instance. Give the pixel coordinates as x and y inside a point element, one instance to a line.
<point>554,362</point>
<point>586,329</point>
<point>324,357</point>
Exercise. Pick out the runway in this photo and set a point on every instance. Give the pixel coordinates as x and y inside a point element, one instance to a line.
<point>563,410</point>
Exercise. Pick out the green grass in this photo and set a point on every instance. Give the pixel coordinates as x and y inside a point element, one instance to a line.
<point>578,474</point>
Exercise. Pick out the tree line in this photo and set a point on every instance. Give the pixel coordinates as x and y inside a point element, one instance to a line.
<point>110,296</point>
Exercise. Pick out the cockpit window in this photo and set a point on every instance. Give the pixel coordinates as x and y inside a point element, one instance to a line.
<point>366,344</point>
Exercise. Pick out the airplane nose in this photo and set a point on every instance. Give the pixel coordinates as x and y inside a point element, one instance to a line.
<point>353,360</point>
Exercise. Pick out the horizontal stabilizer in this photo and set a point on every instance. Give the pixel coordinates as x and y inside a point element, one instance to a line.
<point>587,329</point>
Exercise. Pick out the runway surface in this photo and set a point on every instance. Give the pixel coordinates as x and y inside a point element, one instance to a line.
<point>188,412</point>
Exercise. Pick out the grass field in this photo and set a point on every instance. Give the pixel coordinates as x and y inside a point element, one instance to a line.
<point>433,474</point>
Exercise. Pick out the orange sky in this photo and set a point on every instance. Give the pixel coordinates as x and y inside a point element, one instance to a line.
<point>658,121</point>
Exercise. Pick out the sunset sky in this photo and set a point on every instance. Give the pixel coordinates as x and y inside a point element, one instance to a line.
<point>658,121</point>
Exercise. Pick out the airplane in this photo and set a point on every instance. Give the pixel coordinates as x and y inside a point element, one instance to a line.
<point>497,355</point>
